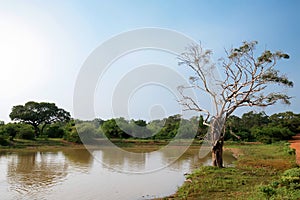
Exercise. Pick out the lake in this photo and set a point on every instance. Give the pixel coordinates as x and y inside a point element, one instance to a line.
<point>78,174</point>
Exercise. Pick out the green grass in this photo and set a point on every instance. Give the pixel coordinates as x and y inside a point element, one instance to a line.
<point>259,166</point>
<point>50,143</point>
<point>160,142</point>
<point>40,142</point>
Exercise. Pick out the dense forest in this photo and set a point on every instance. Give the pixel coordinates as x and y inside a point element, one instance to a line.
<point>249,127</point>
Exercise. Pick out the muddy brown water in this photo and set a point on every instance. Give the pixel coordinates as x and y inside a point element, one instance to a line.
<point>74,174</point>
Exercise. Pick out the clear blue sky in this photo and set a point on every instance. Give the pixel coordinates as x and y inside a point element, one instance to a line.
<point>43,44</point>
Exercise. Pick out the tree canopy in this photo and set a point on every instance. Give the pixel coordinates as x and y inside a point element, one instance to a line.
<point>39,115</point>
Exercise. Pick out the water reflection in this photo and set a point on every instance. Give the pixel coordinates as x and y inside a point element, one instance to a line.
<point>79,159</point>
<point>130,162</point>
<point>75,174</point>
<point>136,162</point>
<point>32,171</point>
<point>118,160</point>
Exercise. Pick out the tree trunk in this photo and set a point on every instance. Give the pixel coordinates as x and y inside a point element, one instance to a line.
<point>42,129</point>
<point>217,154</point>
<point>36,131</point>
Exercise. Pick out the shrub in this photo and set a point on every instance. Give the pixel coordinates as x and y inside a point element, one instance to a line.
<point>268,190</point>
<point>87,132</point>
<point>3,141</point>
<point>18,130</point>
<point>25,132</point>
<point>291,176</point>
<point>71,133</point>
<point>54,131</point>
<point>288,149</point>
<point>10,130</point>
<point>288,186</point>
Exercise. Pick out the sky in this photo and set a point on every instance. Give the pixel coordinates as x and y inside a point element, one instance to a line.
<point>44,44</point>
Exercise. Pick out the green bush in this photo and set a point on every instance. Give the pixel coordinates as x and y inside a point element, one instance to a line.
<point>10,130</point>
<point>288,186</point>
<point>71,133</point>
<point>268,190</point>
<point>54,131</point>
<point>3,141</point>
<point>288,149</point>
<point>87,132</point>
<point>291,176</point>
<point>83,132</point>
<point>18,130</point>
<point>25,132</point>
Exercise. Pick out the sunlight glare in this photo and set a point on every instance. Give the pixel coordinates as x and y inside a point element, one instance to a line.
<point>21,56</point>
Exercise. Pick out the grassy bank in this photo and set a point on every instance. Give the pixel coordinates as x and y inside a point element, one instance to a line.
<point>156,142</point>
<point>257,175</point>
<point>41,144</point>
<point>50,143</point>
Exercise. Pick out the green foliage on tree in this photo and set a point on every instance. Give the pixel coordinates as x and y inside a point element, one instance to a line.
<point>54,131</point>
<point>87,132</point>
<point>25,131</point>
<point>155,126</point>
<point>71,133</point>
<point>251,119</point>
<point>198,122</point>
<point>38,115</point>
<point>116,128</point>
<point>260,127</point>
<point>270,134</point>
<point>240,128</point>
<point>187,130</point>
<point>56,123</point>
<point>169,128</point>
<point>17,130</point>
<point>286,119</point>
<point>3,141</point>
<point>111,129</point>
<point>139,129</point>
<point>78,131</point>
<point>9,130</point>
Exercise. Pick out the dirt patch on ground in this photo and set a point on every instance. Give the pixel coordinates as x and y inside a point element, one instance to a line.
<point>295,144</point>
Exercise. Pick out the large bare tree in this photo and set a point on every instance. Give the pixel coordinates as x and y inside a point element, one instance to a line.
<point>247,79</point>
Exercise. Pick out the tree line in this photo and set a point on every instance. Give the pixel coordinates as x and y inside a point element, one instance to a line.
<point>45,120</point>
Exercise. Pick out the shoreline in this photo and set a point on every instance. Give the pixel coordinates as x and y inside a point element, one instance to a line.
<point>256,167</point>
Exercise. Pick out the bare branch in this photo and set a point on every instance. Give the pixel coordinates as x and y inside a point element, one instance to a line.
<point>245,82</point>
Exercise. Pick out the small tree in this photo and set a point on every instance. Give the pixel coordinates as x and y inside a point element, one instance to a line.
<point>39,115</point>
<point>10,130</point>
<point>245,83</point>
<point>87,132</point>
